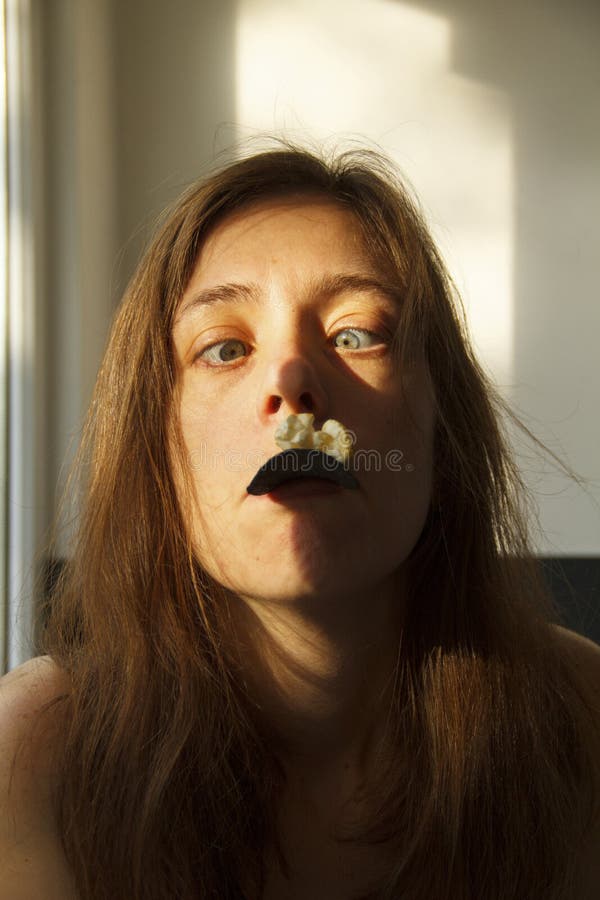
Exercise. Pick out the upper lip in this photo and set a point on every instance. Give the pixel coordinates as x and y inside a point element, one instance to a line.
<point>300,463</point>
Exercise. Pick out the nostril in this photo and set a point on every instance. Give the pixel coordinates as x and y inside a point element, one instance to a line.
<point>307,402</point>
<point>274,404</point>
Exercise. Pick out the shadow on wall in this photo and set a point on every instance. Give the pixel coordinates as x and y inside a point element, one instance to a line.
<point>544,57</point>
<point>160,61</point>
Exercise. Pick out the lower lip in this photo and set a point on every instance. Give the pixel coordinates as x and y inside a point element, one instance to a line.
<point>307,487</point>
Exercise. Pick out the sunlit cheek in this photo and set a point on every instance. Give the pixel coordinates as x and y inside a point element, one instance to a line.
<point>216,462</point>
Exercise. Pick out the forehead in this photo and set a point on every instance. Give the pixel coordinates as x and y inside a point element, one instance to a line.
<point>289,233</point>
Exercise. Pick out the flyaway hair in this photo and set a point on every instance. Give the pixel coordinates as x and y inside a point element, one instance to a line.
<point>485,785</point>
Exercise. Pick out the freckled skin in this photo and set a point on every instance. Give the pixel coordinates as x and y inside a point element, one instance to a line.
<point>286,359</point>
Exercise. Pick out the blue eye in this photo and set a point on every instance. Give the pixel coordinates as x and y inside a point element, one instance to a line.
<point>223,352</point>
<point>350,338</point>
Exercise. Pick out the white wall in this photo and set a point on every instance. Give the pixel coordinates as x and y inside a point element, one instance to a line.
<point>490,109</point>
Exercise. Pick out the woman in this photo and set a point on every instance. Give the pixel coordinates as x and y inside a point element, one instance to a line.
<point>314,692</point>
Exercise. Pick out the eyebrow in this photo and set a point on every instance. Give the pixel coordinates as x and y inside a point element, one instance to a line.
<point>218,294</point>
<point>326,286</point>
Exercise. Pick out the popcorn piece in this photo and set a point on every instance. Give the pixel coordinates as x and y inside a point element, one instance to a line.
<point>323,441</point>
<point>340,440</point>
<point>297,432</point>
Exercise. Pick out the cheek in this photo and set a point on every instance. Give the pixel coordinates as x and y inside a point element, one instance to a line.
<point>400,512</point>
<point>210,438</point>
<point>403,486</point>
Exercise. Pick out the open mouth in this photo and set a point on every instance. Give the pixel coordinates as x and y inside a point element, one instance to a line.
<point>297,464</point>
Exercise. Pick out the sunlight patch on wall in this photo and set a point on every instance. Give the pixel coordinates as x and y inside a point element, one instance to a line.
<point>380,72</point>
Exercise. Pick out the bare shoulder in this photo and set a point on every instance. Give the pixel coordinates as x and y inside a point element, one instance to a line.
<point>32,862</point>
<point>26,689</point>
<point>30,719</point>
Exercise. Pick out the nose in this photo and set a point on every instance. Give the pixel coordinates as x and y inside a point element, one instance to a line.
<point>292,385</point>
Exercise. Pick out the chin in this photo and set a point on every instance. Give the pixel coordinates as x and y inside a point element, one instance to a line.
<point>321,587</point>
<point>292,589</point>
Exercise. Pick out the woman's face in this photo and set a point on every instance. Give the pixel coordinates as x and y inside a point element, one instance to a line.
<point>283,314</point>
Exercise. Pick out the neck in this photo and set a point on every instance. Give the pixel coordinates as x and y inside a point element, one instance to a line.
<point>321,679</point>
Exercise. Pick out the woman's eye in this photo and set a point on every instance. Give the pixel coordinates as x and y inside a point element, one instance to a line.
<point>356,338</point>
<point>231,349</point>
<point>223,352</point>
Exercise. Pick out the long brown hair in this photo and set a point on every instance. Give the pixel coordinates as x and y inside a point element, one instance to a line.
<point>170,789</point>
